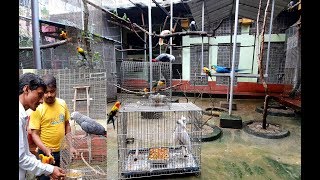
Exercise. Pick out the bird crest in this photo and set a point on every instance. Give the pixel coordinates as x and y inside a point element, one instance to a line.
<point>182,121</point>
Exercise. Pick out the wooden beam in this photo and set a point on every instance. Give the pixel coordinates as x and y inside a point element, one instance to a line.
<point>52,45</point>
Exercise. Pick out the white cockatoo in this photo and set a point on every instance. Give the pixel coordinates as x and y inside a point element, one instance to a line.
<point>181,136</point>
<point>163,33</point>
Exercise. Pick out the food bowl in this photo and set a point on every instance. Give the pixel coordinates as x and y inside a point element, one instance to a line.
<point>74,174</point>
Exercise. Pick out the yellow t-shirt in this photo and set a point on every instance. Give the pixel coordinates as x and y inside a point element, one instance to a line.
<point>50,119</point>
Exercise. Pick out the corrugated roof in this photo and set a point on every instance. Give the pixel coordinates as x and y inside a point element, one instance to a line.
<point>216,10</point>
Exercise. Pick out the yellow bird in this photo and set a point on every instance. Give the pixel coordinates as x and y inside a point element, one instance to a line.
<point>63,35</point>
<point>81,51</point>
<point>158,85</point>
<point>207,71</point>
<point>46,159</point>
<point>113,113</point>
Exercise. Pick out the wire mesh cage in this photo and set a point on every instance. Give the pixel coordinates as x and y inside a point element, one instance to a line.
<point>165,142</point>
<point>90,161</point>
<point>135,83</point>
<point>293,62</point>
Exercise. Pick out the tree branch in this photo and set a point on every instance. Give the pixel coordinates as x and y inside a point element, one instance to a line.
<point>51,45</point>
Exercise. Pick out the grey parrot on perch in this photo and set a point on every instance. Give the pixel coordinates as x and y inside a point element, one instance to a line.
<point>89,125</point>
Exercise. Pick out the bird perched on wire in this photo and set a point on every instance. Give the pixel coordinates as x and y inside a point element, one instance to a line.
<point>163,33</point>
<point>181,136</point>
<point>290,5</point>
<point>208,72</point>
<point>146,92</point>
<point>193,26</point>
<point>125,17</point>
<point>89,125</point>
<point>113,113</point>
<point>81,52</point>
<point>164,57</point>
<point>63,35</point>
<point>223,69</point>
<point>158,85</point>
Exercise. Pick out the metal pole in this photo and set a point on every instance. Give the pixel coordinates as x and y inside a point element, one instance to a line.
<point>36,33</point>
<point>121,38</point>
<point>202,29</point>
<point>171,18</point>
<point>170,65</point>
<point>150,43</point>
<point>228,89</point>
<point>145,47</point>
<point>233,54</point>
<point>269,41</point>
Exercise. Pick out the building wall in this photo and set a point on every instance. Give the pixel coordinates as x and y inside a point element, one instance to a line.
<point>248,58</point>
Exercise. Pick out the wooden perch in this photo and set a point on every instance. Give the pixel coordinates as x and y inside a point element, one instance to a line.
<point>133,26</point>
<point>52,45</point>
<point>133,92</point>
<point>179,84</point>
<point>145,93</point>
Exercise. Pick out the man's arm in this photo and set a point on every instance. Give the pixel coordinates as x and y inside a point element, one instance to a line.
<point>67,127</point>
<point>73,151</point>
<point>35,133</point>
<point>28,161</point>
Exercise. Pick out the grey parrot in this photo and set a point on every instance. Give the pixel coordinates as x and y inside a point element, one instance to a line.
<point>89,125</point>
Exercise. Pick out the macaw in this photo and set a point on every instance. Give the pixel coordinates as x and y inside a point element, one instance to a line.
<point>113,112</point>
<point>181,136</point>
<point>63,35</point>
<point>81,51</point>
<point>207,71</point>
<point>89,125</point>
<point>222,69</point>
<point>164,57</point>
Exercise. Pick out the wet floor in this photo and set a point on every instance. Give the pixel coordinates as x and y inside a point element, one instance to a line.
<point>237,154</point>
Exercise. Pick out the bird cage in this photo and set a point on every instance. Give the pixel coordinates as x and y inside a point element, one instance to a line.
<point>135,83</point>
<point>156,145</point>
<point>90,162</point>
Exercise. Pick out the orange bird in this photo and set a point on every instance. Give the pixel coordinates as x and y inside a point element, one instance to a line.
<point>46,159</point>
<point>115,108</point>
<point>63,35</point>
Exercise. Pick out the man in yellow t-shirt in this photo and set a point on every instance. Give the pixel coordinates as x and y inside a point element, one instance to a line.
<point>50,123</point>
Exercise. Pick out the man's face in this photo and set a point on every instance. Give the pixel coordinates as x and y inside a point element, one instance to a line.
<point>35,98</point>
<point>50,95</point>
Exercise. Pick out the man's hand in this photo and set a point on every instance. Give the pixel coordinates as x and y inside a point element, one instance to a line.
<point>47,152</point>
<point>58,173</point>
